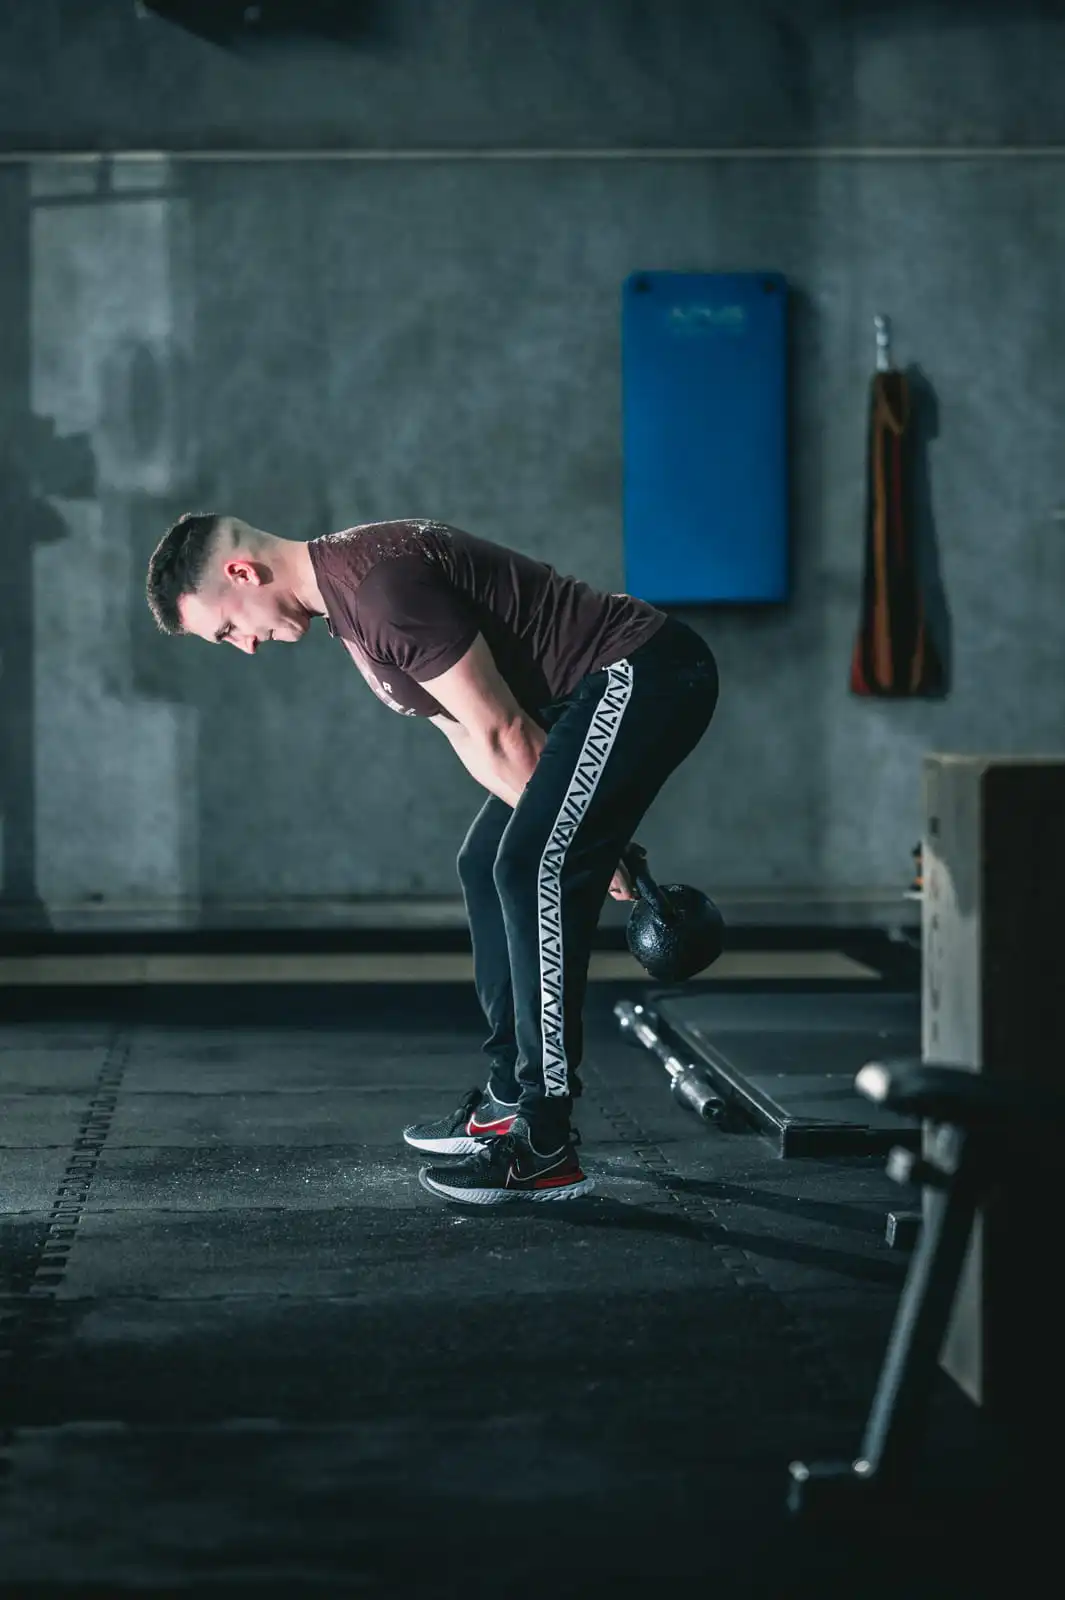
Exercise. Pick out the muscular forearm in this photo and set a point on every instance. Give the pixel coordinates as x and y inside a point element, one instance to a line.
<point>505,764</point>
<point>489,781</point>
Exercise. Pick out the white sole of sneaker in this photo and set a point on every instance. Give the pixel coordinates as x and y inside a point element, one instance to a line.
<point>495,1197</point>
<point>446,1147</point>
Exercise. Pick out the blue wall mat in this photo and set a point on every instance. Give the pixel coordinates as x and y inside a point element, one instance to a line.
<point>705,436</point>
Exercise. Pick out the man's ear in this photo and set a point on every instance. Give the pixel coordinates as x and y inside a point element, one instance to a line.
<point>240,571</point>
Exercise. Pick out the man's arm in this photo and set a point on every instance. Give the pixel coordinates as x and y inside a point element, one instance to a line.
<point>622,885</point>
<point>498,743</point>
<point>471,756</point>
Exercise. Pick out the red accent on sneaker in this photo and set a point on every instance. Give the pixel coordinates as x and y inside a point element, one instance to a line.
<point>547,1180</point>
<point>556,1183</point>
<point>504,1125</point>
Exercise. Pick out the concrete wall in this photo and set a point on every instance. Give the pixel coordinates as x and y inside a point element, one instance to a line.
<point>315,343</point>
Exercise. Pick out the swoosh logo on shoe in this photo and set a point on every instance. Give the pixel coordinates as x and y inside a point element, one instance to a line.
<point>515,1174</point>
<point>473,1126</point>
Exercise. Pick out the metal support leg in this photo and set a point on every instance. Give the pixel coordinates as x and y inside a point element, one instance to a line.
<point>893,1431</point>
<point>896,1420</point>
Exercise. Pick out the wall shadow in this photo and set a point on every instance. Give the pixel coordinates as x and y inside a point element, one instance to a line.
<point>28,464</point>
<point>35,463</point>
<point>24,522</point>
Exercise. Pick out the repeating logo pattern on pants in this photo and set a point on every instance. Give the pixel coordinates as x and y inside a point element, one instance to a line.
<point>598,743</point>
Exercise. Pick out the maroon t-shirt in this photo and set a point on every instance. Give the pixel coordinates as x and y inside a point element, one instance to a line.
<point>407,599</point>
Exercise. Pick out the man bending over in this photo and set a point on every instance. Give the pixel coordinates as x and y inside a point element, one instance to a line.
<point>569,705</point>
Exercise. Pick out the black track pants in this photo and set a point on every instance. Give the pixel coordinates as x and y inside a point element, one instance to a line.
<point>535,877</point>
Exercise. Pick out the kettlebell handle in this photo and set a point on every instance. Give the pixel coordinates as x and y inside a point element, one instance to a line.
<point>634,859</point>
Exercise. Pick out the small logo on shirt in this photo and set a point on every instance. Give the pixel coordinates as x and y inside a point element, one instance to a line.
<point>382,690</point>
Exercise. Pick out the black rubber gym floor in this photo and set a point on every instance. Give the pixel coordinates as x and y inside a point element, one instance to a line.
<point>243,1351</point>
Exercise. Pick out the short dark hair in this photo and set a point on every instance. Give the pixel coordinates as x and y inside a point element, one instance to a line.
<point>178,565</point>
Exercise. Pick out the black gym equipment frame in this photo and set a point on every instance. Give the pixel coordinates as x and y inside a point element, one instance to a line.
<point>981,1135</point>
<point>237,23</point>
<point>793,1135</point>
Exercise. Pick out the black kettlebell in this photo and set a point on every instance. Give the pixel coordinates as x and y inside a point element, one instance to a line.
<point>674,932</point>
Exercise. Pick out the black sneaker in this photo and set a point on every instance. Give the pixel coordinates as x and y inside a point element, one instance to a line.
<point>480,1118</point>
<point>511,1168</point>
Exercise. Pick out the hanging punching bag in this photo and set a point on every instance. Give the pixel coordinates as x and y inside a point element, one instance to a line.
<point>894,656</point>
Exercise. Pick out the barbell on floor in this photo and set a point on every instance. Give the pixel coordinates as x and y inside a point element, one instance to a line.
<point>686,1083</point>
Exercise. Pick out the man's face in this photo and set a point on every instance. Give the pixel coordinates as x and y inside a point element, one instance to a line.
<point>244,607</point>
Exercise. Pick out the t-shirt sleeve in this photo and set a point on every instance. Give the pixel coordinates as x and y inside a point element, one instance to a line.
<point>410,615</point>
